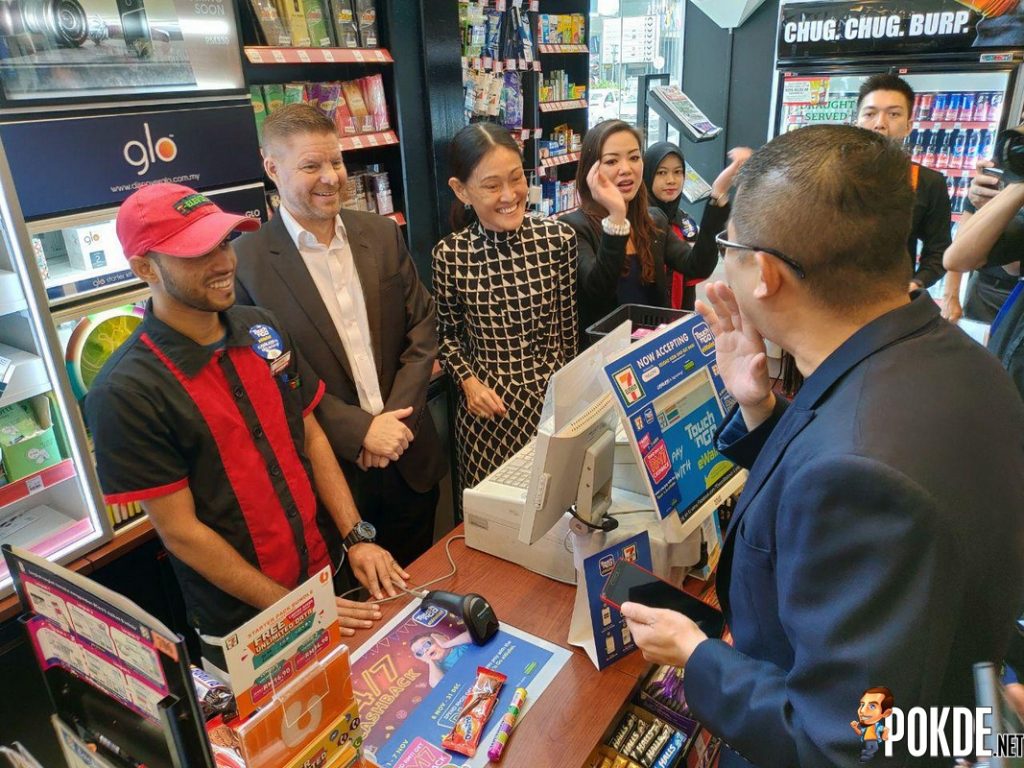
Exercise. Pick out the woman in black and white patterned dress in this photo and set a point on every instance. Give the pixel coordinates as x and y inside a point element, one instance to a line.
<point>505,286</point>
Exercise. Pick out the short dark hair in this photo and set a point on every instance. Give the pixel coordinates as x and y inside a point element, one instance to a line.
<point>885,82</point>
<point>887,698</point>
<point>294,119</point>
<point>469,146</point>
<point>837,199</point>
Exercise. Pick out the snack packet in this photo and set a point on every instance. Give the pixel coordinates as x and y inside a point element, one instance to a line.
<point>476,711</point>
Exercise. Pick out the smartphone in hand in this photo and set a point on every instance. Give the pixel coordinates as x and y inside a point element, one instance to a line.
<point>630,583</point>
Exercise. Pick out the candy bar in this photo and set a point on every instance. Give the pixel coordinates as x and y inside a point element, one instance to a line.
<point>476,710</point>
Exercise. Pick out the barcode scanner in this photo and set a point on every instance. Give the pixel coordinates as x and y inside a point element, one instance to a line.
<point>476,613</point>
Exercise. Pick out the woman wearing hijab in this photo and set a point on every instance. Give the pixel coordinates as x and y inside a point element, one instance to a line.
<point>664,175</point>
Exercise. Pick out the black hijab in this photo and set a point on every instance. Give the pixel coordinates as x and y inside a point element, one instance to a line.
<point>652,159</point>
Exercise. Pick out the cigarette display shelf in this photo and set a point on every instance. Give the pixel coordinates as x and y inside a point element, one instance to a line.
<point>563,106</point>
<point>267,55</point>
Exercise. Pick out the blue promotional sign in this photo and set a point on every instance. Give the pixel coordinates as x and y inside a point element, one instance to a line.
<point>612,639</point>
<point>673,398</point>
<point>61,166</point>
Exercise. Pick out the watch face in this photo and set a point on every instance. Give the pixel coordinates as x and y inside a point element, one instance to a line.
<point>365,531</point>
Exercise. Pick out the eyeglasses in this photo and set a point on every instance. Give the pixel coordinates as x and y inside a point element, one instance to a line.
<point>723,244</point>
<point>424,648</point>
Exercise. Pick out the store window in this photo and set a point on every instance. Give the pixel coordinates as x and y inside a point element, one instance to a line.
<point>630,38</point>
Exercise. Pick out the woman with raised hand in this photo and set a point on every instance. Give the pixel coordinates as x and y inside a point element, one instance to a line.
<point>664,177</point>
<point>505,286</point>
<point>625,245</point>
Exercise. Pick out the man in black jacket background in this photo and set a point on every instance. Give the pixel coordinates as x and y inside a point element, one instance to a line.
<point>885,105</point>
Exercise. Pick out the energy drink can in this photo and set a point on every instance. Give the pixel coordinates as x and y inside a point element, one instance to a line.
<point>981,108</point>
<point>953,106</point>
<point>967,108</point>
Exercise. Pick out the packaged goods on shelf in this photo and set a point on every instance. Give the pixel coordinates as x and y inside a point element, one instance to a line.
<point>274,31</point>
<point>366,18</point>
<point>561,29</point>
<point>368,189</point>
<point>259,108</point>
<point>495,96</point>
<point>346,28</point>
<point>558,87</point>
<point>354,106</point>
<point>318,23</point>
<point>500,35</point>
<point>294,14</point>
<point>558,196</point>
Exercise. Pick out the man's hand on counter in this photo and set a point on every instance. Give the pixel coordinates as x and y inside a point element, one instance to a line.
<point>353,615</point>
<point>374,566</point>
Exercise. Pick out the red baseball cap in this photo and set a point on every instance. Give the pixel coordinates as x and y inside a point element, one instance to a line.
<point>176,220</point>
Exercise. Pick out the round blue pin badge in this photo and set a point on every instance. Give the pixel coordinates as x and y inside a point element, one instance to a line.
<point>268,341</point>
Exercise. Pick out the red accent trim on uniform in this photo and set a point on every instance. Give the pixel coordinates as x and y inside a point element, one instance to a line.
<point>316,399</point>
<point>266,397</point>
<point>676,290</point>
<point>696,281</point>
<point>244,466</point>
<point>146,493</point>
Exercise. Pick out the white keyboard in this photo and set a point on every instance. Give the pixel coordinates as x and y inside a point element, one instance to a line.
<point>516,471</point>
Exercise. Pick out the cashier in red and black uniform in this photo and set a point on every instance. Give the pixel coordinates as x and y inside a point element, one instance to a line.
<point>205,416</point>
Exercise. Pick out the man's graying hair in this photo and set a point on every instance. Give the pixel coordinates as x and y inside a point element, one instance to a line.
<point>838,200</point>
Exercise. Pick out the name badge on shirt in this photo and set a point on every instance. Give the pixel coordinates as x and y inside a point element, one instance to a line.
<point>689,228</point>
<point>270,347</point>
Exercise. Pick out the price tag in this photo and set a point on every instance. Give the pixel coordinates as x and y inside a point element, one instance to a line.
<point>358,56</point>
<point>497,66</point>
<point>484,63</point>
<point>499,5</point>
<point>303,55</point>
<point>34,484</point>
<point>372,139</point>
<point>536,66</point>
<point>278,56</point>
<point>254,56</point>
<point>328,56</point>
<point>380,56</point>
<point>357,143</point>
<point>534,5</point>
<point>510,63</point>
<point>517,3</point>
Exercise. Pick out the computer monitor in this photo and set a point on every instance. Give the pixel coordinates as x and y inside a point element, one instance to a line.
<point>575,450</point>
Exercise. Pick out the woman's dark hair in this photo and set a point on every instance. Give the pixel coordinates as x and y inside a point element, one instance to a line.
<point>642,225</point>
<point>465,152</point>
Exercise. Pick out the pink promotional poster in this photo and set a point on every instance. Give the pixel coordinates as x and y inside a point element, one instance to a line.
<point>411,681</point>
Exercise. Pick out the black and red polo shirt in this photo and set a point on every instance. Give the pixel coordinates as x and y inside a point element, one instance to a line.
<point>226,421</point>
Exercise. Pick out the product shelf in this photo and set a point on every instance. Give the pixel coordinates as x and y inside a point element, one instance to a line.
<point>487,64</point>
<point>925,125</point>
<point>11,297</point>
<point>258,54</point>
<point>46,478</point>
<point>562,106</point>
<point>367,140</point>
<point>549,162</point>
<point>25,377</point>
<point>563,48</point>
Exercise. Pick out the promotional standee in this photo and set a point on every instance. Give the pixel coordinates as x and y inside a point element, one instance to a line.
<point>671,398</point>
<point>117,677</point>
<point>964,68</point>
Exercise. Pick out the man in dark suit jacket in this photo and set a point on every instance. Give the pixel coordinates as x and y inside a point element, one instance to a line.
<point>345,286</point>
<point>880,538</point>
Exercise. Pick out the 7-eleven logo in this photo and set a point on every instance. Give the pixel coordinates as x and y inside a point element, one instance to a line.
<point>628,385</point>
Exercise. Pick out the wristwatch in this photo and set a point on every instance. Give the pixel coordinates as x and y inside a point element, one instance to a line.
<point>362,532</point>
<point>619,230</point>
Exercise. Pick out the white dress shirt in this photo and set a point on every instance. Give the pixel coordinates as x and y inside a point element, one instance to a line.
<point>334,273</point>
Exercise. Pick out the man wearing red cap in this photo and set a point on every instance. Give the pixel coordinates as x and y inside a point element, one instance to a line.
<point>205,415</point>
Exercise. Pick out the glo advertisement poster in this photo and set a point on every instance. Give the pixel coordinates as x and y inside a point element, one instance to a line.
<point>411,678</point>
<point>61,49</point>
<point>673,399</point>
